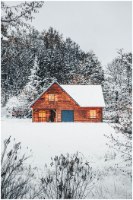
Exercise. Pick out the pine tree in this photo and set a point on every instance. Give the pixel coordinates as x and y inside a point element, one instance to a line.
<point>32,88</point>
<point>92,69</point>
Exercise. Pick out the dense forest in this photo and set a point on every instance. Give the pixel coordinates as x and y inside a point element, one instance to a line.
<point>54,57</point>
<point>31,60</point>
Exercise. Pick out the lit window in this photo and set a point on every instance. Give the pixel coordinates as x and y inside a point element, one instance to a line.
<point>51,97</point>
<point>92,113</point>
<point>42,114</point>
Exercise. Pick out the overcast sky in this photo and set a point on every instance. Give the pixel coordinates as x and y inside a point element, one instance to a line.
<point>101,26</point>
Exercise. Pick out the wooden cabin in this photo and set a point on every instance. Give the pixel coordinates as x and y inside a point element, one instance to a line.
<point>69,103</point>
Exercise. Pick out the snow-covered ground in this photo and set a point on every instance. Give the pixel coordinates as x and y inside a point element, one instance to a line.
<point>49,139</point>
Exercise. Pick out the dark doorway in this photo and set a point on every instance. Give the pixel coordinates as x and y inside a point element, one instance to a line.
<point>67,115</point>
<point>52,115</point>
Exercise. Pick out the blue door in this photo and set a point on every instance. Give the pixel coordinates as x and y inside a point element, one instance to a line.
<point>67,116</point>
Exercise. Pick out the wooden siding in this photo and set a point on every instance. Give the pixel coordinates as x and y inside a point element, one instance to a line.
<point>61,102</point>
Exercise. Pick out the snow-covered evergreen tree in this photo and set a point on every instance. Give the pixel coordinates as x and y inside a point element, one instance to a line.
<point>117,86</point>
<point>32,88</point>
<point>92,69</point>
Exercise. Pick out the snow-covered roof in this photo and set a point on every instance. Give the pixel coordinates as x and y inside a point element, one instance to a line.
<point>86,95</point>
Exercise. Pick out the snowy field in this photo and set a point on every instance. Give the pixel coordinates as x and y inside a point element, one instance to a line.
<point>47,140</point>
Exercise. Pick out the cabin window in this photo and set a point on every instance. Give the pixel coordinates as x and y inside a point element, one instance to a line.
<point>51,97</point>
<point>92,114</point>
<point>42,115</point>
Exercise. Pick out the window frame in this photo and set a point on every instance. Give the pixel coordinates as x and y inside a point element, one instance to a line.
<point>51,95</point>
<point>41,118</point>
<point>92,115</point>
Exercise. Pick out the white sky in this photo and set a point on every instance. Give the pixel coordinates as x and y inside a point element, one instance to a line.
<point>101,26</point>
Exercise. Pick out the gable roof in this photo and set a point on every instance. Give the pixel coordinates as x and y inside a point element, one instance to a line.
<point>84,95</point>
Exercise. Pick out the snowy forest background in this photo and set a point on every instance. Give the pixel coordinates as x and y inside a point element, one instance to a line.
<point>31,60</point>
